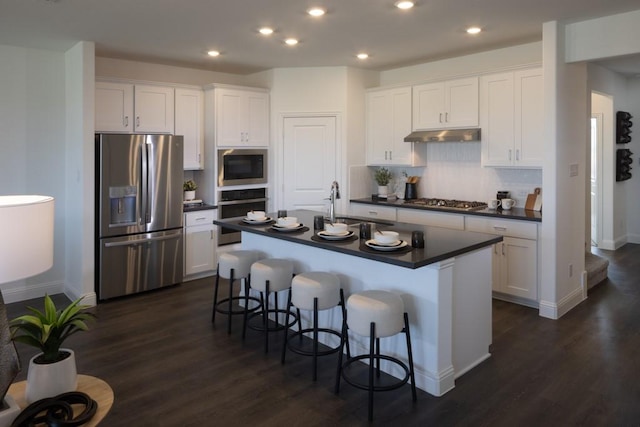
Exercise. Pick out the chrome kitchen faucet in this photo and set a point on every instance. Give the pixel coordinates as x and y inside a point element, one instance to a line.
<point>335,194</point>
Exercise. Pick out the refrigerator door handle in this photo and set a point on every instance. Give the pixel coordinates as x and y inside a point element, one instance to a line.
<point>141,241</point>
<point>144,182</point>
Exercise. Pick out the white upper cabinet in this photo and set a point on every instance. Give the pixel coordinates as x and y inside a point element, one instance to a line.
<point>448,104</point>
<point>114,107</point>
<point>129,108</point>
<point>241,118</point>
<point>154,109</point>
<point>388,122</point>
<point>189,115</point>
<point>529,125</point>
<point>512,119</point>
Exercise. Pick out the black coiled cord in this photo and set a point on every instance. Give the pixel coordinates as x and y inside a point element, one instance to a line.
<point>57,411</point>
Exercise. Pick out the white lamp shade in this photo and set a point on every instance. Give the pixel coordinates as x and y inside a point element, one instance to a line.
<point>26,236</point>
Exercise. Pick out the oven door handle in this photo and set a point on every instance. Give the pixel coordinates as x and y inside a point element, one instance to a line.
<point>239,202</point>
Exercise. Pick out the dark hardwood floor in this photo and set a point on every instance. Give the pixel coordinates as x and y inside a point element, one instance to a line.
<point>168,366</point>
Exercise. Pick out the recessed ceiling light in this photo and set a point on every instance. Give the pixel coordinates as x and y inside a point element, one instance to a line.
<point>265,31</point>
<point>213,53</point>
<point>362,55</point>
<point>316,11</point>
<point>291,42</point>
<point>404,4</point>
<point>474,30</point>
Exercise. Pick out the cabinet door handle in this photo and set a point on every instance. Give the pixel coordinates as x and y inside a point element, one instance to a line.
<point>373,213</point>
<point>440,118</point>
<point>390,155</point>
<point>138,121</point>
<point>502,248</point>
<point>495,249</point>
<point>509,154</point>
<point>518,154</point>
<point>126,121</point>
<point>446,117</point>
<point>385,154</point>
<point>498,228</point>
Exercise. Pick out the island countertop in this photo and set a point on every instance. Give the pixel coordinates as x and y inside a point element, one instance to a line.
<point>440,243</point>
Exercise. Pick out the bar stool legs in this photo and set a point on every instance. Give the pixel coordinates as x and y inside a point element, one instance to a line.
<point>234,265</point>
<point>270,276</point>
<point>315,330</point>
<point>376,314</point>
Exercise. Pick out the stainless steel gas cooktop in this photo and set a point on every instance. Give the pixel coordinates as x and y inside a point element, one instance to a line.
<point>462,205</point>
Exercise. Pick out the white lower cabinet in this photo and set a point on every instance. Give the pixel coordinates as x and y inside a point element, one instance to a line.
<point>199,244</point>
<point>437,219</point>
<point>372,211</point>
<point>514,268</point>
<point>515,259</point>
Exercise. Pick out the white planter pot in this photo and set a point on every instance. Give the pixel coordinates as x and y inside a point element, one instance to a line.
<point>383,190</point>
<point>189,195</point>
<point>52,379</point>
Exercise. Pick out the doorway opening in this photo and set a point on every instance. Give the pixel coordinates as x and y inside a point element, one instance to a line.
<point>596,179</point>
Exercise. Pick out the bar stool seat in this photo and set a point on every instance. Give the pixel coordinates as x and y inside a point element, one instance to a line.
<point>314,291</point>
<point>376,314</point>
<point>234,265</point>
<point>269,276</point>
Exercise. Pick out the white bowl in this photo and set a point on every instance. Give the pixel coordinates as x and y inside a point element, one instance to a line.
<point>256,215</point>
<point>385,237</point>
<point>335,228</point>
<point>287,221</point>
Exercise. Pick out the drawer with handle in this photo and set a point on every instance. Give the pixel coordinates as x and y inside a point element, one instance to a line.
<point>512,228</point>
<point>199,217</point>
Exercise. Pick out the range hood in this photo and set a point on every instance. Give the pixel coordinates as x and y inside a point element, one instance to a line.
<point>444,135</point>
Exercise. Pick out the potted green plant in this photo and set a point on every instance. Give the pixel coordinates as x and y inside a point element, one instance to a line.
<point>383,177</point>
<point>189,188</point>
<point>53,371</point>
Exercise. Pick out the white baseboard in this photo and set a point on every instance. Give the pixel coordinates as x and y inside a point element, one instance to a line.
<point>555,311</point>
<point>26,292</point>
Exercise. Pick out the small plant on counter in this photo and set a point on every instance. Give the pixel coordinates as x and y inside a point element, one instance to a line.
<point>383,176</point>
<point>189,185</point>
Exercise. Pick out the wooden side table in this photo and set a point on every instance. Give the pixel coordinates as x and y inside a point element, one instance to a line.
<point>96,388</point>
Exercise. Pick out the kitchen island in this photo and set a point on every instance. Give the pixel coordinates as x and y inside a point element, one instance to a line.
<point>446,288</point>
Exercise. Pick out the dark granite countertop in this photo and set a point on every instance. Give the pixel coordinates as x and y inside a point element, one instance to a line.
<point>513,213</point>
<point>198,207</point>
<point>440,243</point>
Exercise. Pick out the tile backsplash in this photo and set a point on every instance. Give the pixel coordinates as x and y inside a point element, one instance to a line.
<point>454,171</point>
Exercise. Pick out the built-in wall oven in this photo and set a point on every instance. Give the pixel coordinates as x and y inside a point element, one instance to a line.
<point>236,203</point>
<point>241,166</point>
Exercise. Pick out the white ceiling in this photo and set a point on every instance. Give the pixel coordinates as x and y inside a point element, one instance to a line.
<point>180,32</point>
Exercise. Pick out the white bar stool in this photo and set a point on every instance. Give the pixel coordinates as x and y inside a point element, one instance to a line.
<point>315,290</point>
<point>234,265</point>
<point>376,314</point>
<point>269,276</point>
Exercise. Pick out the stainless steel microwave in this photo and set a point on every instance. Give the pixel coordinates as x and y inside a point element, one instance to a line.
<point>239,166</point>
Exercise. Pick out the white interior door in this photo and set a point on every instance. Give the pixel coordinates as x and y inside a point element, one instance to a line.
<point>309,161</point>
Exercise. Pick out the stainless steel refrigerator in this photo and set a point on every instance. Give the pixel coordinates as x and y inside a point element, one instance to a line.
<point>138,213</point>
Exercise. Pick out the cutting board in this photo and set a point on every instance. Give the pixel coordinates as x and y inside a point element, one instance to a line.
<point>534,201</point>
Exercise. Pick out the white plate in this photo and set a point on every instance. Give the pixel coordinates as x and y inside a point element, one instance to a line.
<point>372,244</point>
<point>340,236</point>
<point>293,227</point>
<point>257,221</point>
